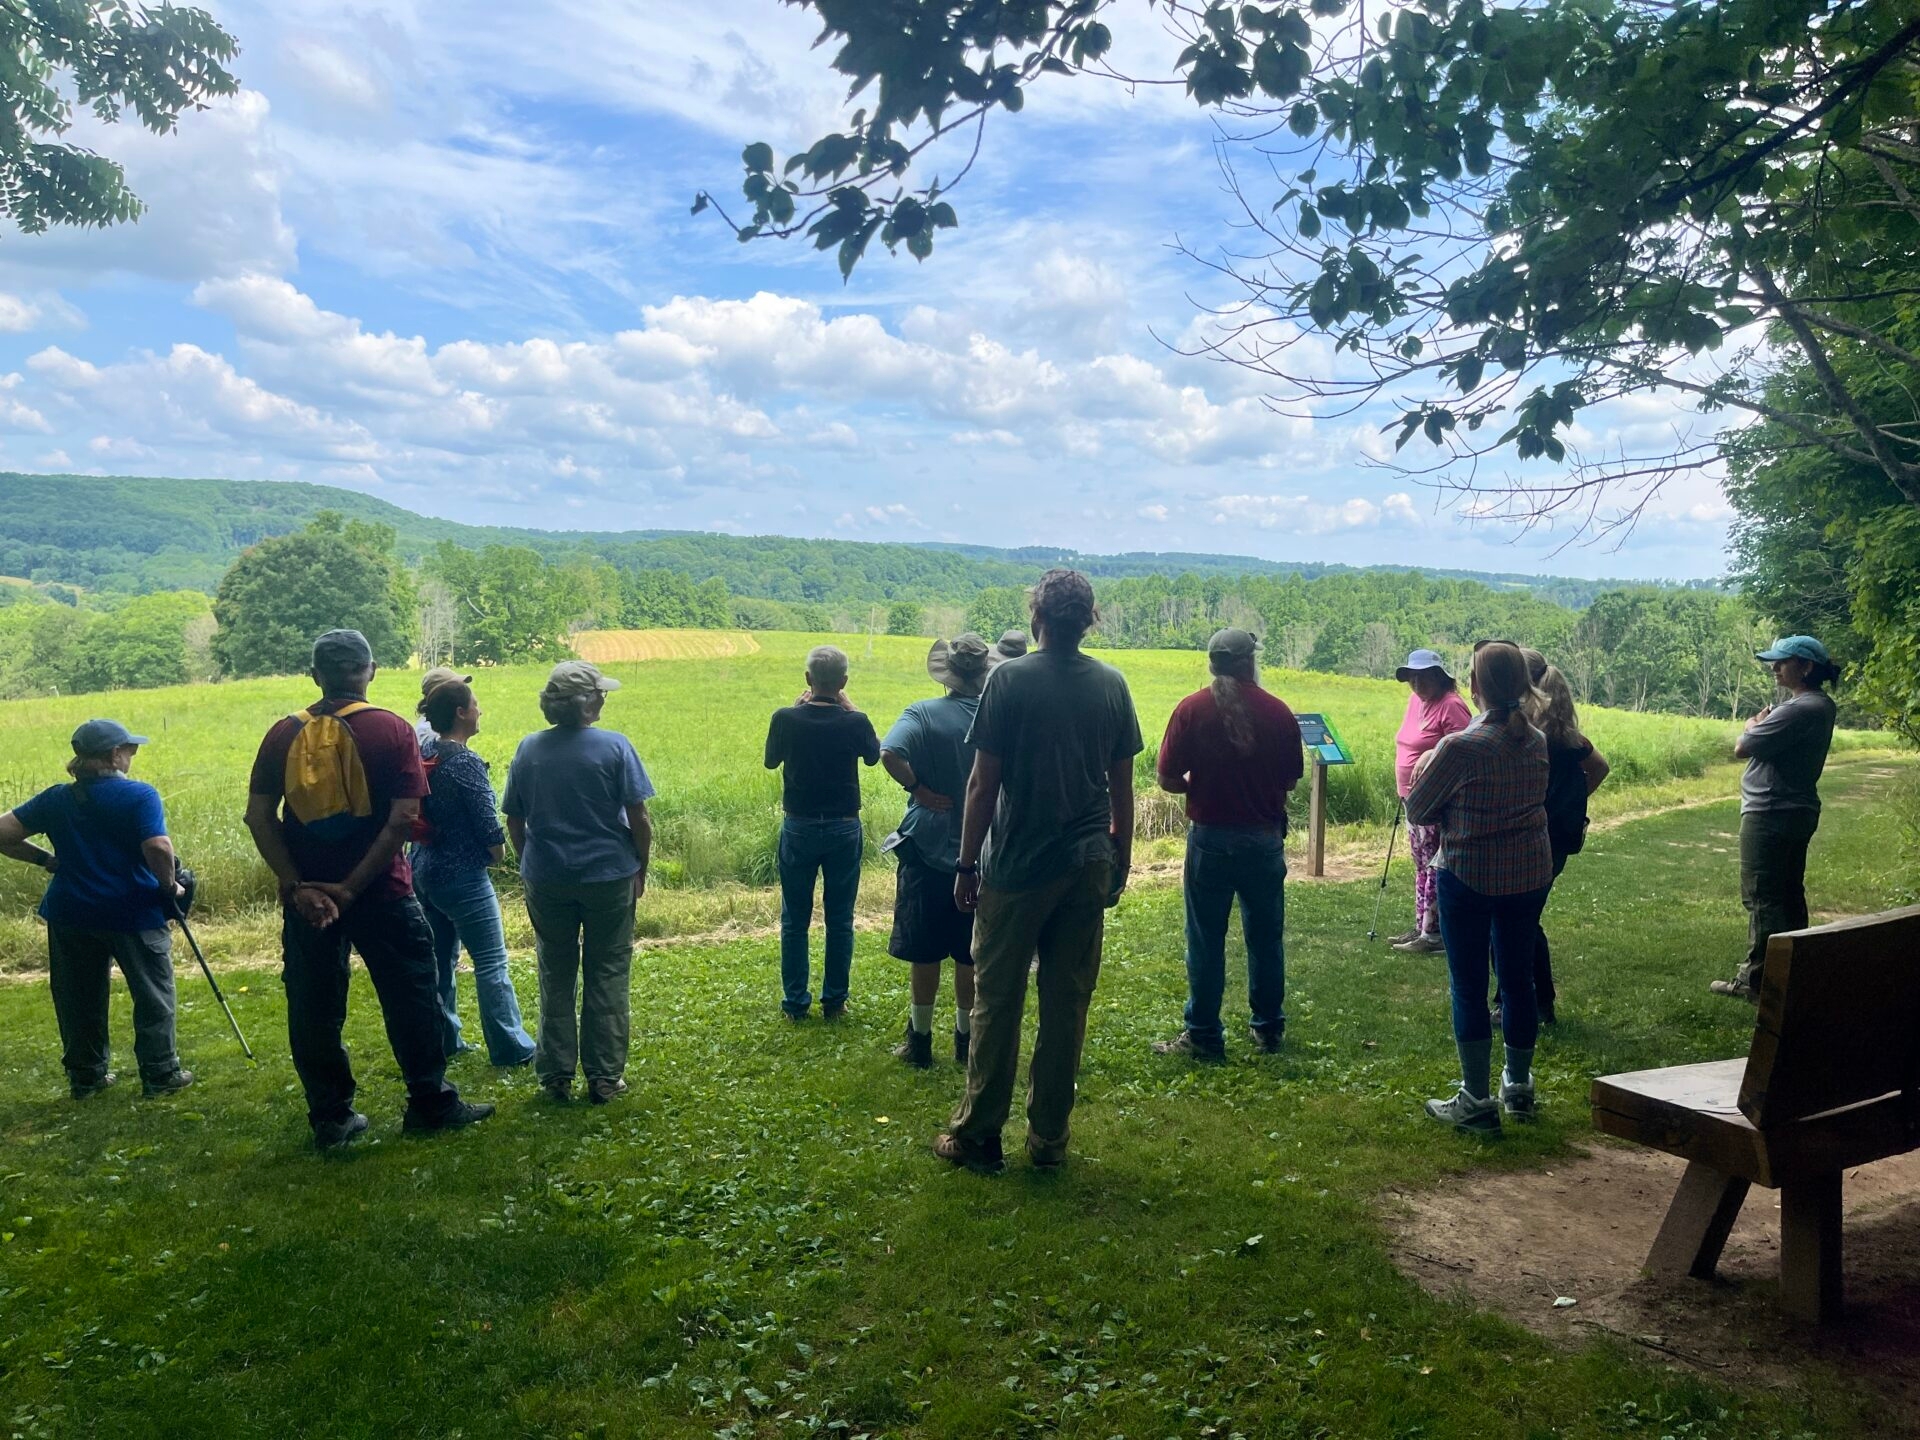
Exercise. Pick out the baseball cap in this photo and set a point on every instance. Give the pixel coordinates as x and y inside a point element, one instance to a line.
<point>1795,647</point>
<point>1241,644</point>
<point>577,677</point>
<point>342,650</point>
<point>441,675</point>
<point>97,737</point>
<point>1422,660</point>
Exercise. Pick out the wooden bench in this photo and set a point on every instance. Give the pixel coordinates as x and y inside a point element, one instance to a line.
<point>1832,1081</point>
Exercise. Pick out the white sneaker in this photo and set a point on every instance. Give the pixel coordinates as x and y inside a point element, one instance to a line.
<point>1517,1100</point>
<point>1427,944</point>
<point>1463,1112</point>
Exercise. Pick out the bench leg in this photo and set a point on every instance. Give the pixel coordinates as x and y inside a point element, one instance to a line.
<point>1810,1247</point>
<point>1698,1222</point>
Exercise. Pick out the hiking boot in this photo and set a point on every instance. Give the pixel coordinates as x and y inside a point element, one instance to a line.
<point>338,1134</point>
<point>835,1011</point>
<point>1736,990</point>
<point>1427,943</point>
<point>1404,936</point>
<point>1517,1100</point>
<point>457,1116</point>
<point>1267,1038</point>
<point>1463,1112</point>
<point>1184,1044</point>
<point>167,1084</point>
<point>604,1091</point>
<point>559,1091</point>
<point>92,1088</point>
<point>916,1049</point>
<point>983,1156</point>
<point>1048,1160</point>
<point>962,1045</point>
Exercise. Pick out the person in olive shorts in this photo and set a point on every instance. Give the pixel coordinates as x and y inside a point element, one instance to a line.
<point>1785,747</point>
<point>818,744</point>
<point>927,754</point>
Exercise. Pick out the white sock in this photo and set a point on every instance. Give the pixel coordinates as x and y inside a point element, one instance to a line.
<point>921,1017</point>
<point>962,1022</point>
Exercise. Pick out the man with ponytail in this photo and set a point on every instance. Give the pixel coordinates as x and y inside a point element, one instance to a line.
<point>1045,846</point>
<point>1234,751</point>
<point>1486,788</point>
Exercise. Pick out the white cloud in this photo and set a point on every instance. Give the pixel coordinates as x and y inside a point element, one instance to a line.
<point>1156,513</point>
<point>1304,515</point>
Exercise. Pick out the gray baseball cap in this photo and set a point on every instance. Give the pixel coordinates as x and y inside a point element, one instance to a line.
<point>577,677</point>
<point>342,650</point>
<point>97,737</point>
<point>1241,644</point>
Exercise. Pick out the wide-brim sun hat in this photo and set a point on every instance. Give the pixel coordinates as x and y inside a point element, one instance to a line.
<point>1419,660</point>
<point>963,663</point>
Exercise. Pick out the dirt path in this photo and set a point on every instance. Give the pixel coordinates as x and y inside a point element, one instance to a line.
<point>1517,1243</point>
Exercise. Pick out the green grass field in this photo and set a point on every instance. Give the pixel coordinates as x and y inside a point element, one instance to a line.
<point>757,1242</point>
<point>699,724</point>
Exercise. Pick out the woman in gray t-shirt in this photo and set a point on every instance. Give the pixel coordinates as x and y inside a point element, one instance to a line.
<point>1785,747</point>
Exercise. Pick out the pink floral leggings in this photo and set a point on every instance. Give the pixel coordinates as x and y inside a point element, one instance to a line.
<point>1424,841</point>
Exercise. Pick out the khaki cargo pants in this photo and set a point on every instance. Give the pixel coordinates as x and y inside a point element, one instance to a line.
<point>1063,920</point>
<point>583,937</point>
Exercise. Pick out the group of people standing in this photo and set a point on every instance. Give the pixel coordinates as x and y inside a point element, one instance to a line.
<point>1017,838</point>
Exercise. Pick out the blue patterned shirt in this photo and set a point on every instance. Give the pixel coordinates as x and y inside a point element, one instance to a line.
<point>461,809</point>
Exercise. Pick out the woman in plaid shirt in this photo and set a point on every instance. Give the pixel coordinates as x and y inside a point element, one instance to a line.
<point>1486,788</point>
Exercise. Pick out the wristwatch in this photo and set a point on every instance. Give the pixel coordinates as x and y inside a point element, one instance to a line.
<point>963,869</point>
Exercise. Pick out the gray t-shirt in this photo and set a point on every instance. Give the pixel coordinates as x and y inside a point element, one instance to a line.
<point>1786,753</point>
<point>572,787</point>
<point>1059,721</point>
<point>932,736</point>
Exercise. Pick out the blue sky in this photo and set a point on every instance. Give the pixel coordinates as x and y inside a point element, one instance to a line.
<point>443,254</point>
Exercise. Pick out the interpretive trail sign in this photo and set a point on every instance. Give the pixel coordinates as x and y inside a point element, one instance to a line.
<point>1324,747</point>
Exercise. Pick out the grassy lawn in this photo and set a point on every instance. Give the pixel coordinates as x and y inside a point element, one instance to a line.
<point>757,1241</point>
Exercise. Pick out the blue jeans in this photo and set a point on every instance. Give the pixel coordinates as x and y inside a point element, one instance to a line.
<point>1507,926</point>
<point>462,908</point>
<point>1225,862</point>
<point>829,849</point>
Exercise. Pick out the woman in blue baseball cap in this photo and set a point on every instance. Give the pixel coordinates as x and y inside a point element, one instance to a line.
<point>1785,747</point>
<point>112,892</point>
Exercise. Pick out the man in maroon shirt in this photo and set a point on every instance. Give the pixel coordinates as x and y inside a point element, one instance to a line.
<point>345,882</point>
<point>1234,751</point>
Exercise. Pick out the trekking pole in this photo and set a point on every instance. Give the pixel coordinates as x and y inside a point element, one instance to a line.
<point>1373,930</point>
<point>207,970</point>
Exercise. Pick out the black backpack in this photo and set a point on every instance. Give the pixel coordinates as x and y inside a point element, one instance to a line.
<point>1566,801</point>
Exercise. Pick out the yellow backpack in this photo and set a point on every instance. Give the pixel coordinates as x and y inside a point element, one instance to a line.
<point>326,785</point>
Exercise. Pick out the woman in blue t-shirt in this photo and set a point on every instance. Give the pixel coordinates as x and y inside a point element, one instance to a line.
<point>463,840</point>
<point>112,893</point>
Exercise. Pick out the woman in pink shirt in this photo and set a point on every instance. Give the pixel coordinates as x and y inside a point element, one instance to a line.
<point>1434,711</point>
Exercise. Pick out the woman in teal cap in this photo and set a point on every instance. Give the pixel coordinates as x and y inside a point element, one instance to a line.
<point>114,888</point>
<point>1785,747</point>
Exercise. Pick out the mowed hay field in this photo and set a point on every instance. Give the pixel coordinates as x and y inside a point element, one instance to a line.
<point>608,647</point>
<point>700,726</point>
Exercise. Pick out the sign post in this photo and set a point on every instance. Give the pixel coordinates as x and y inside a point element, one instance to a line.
<point>1324,747</point>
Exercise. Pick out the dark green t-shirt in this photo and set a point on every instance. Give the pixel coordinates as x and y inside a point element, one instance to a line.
<point>1059,721</point>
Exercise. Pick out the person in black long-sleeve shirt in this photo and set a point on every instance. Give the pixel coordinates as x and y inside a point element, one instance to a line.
<point>818,745</point>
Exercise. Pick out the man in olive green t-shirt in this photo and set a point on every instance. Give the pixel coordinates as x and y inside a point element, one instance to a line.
<point>1044,852</point>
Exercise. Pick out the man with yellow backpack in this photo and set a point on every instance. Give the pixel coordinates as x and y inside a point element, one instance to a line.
<point>336,789</point>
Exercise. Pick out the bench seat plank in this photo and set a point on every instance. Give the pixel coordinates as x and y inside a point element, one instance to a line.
<point>1693,1111</point>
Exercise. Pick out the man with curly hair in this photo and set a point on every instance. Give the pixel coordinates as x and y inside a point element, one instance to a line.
<point>1044,852</point>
